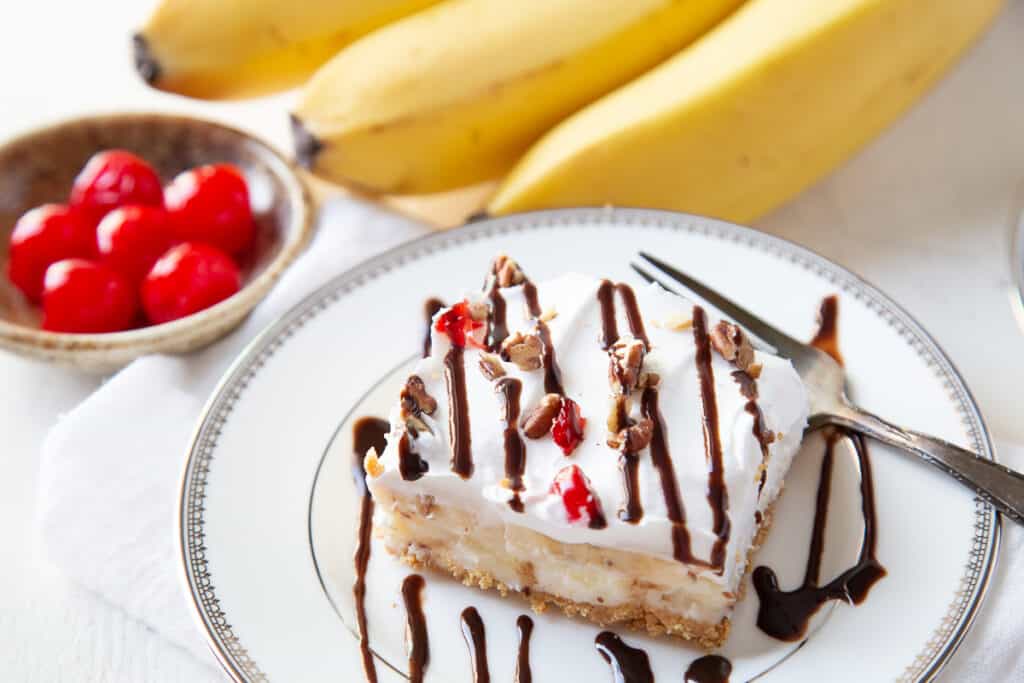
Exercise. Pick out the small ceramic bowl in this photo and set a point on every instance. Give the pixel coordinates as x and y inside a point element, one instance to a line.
<point>39,167</point>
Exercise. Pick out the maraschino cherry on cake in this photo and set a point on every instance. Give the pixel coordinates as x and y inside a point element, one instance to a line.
<point>611,451</point>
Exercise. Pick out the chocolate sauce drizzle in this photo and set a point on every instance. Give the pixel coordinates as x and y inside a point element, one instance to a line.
<point>497,325</point>
<point>709,669</point>
<point>628,664</point>
<point>476,641</point>
<point>524,627</point>
<point>410,465</point>
<point>510,390</point>
<point>764,436</point>
<point>662,461</point>
<point>430,308</point>
<point>367,433</point>
<point>718,497</point>
<point>416,627</point>
<point>458,413</point>
<point>827,337</point>
<point>786,615</point>
<point>609,326</point>
<point>632,510</point>
<point>552,373</point>
<point>636,323</point>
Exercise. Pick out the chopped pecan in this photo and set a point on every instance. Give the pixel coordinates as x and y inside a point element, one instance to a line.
<point>538,421</point>
<point>677,322</point>
<point>507,271</point>
<point>525,350</point>
<point>415,399</point>
<point>549,314</point>
<point>754,370</point>
<point>618,414</point>
<point>626,356</point>
<point>649,379</point>
<point>634,438</point>
<point>478,311</point>
<point>732,344</point>
<point>371,464</point>
<point>490,365</point>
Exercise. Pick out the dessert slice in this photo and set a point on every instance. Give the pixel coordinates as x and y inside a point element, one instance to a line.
<point>609,451</point>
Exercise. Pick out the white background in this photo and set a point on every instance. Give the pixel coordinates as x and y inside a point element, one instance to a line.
<point>923,212</point>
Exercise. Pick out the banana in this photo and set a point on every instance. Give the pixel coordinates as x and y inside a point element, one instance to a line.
<point>455,94</point>
<point>237,48</point>
<point>748,116</point>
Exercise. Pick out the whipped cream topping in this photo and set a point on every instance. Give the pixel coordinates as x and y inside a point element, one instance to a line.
<point>573,316</point>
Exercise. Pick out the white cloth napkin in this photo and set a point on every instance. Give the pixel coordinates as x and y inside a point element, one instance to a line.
<point>110,468</point>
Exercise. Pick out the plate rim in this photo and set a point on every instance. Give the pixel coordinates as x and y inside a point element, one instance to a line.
<point>233,656</point>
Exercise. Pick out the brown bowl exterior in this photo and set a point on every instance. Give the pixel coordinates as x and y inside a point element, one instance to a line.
<point>40,166</point>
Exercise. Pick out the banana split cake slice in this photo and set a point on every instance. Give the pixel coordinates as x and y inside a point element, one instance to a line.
<point>609,451</point>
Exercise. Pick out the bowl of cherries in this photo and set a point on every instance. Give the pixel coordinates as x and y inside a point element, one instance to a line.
<point>132,234</point>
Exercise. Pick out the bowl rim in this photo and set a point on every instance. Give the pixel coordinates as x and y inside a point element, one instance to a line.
<point>296,193</point>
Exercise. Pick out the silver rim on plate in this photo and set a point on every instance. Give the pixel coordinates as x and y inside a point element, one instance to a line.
<point>232,653</point>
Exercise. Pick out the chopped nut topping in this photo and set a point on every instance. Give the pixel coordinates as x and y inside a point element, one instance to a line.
<point>490,365</point>
<point>415,424</point>
<point>549,314</point>
<point>732,344</point>
<point>507,271</point>
<point>526,351</point>
<point>618,414</point>
<point>634,438</point>
<point>677,322</point>
<point>754,370</point>
<point>371,463</point>
<point>538,421</point>
<point>649,379</point>
<point>478,311</point>
<point>415,399</point>
<point>626,357</point>
<point>425,505</point>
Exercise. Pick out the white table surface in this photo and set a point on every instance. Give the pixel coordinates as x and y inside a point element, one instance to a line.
<point>923,212</point>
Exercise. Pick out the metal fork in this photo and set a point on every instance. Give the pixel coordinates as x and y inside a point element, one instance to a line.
<point>1000,486</point>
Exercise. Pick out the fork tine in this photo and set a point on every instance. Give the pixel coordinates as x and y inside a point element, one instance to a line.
<point>757,327</point>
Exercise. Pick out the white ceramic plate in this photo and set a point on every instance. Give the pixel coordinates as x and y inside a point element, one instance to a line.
<point>268,509</point>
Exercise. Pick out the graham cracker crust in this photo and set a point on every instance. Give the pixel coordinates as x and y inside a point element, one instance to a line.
<point>634,617</point>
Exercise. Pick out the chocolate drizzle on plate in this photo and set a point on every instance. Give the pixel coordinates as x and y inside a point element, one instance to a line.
<point>430,308</point>
<point>416,627</point>
<point>786,615</point>
<point>827,337</point>
<point>718,497</point>
<point>524,627</point>
<point>367,433</point>
<point>628,664</point>
<point>458,412</point>
<point>476,641</point>
<point>510,390</point>
<point>709,669</point>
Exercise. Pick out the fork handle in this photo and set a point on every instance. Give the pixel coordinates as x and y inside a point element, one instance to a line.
<point>997,485</point>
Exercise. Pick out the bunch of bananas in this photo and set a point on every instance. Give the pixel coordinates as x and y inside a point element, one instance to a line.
<point>718,107</point>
